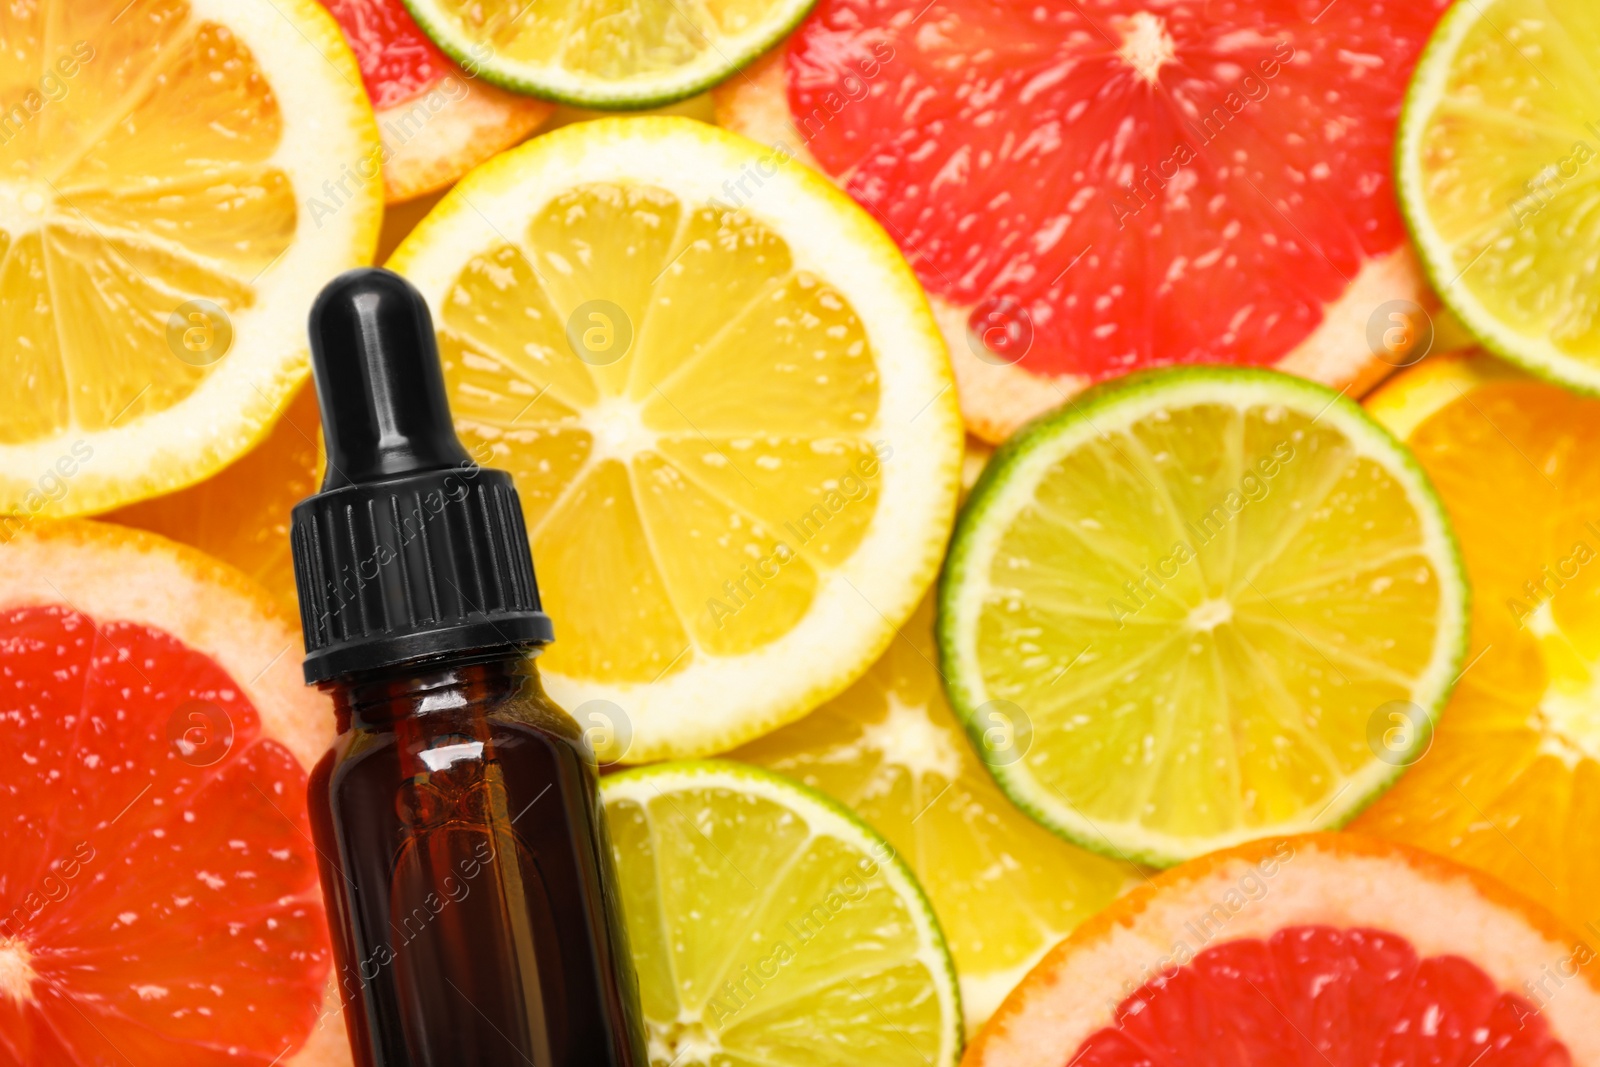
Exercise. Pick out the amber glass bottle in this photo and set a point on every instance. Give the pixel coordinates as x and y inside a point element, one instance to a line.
<point>465,863</point>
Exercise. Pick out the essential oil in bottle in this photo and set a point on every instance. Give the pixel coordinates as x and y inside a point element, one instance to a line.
<point>465,864</point>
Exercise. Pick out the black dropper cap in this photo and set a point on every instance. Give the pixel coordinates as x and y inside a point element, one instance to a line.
<point>410,551</point>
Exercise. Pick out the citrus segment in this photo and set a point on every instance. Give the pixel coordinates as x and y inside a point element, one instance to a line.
<point>1327,949</point>
<point>1090,189</point>
<point>240,515</point>
<point>159,894</point>
<point>731,427</point>
<point>1513,777</point>
<point>1199,589</point>
<point>772,927</point>
<point>437,120</point>
<point>163,225</point>
<point>1499,173</point>
<point>1005,890</point>
<point>617,54</point>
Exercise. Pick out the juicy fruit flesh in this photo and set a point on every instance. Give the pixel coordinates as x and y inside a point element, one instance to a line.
<point>709,456</point>
<point>1004,888</point>
<point>241,514</point>
<point>1123,183</point>
<point>759,939</point>
<point>141,182</point>
<point>1510,170</point>
<point>1200,610</point>
<point>1512,781</point>
<point>148,908</point>
<point>397,59</point>
<point>1319,995</point>
<point>617,41</point>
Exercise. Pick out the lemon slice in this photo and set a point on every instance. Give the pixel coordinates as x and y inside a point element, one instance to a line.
<point>1203,595</point>
<point>732,428</point>
<point>177,180</point>
<point>1004,888</point>
<point>616,54</point>
<point>1499,177</point>
<point>772,928</point>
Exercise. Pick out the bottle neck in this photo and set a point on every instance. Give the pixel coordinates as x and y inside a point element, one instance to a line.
<point>381,699</point>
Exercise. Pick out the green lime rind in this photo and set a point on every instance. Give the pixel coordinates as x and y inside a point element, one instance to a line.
<point>646,782</point>
<point>1110,405</point>
<point>1533,354</point>
<point>724,57</point>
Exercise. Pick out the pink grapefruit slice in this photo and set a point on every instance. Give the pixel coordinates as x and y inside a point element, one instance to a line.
<point>1102,186</point>
<point>437,120</point>
<point>158,888</point>
<point>1324,950</point>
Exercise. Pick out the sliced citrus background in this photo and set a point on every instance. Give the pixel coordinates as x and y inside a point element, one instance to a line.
<point>772,928</point>
<point>1322,949</point>
<point>1512,782</point>
<point>158,894</point>
<point>619,54</point>
<point>1004,888</point>
<point>1092,188</point>
<point>1193,593</point>
<point>732,429</point>
<point>1499,175</point>
<point>437,120</point>
<point>167,212</point>
<point>240,515</point>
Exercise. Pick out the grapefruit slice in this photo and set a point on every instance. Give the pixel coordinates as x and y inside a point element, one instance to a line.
<point>158,891</point>
<point>437,120</point>
<point>1329,950</point>
<point>1091,188</point>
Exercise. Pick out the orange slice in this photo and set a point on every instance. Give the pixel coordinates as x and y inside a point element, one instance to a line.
<point>241,514</point>
<point>1511,784</point>
<point>1323,949</point>
<point>159,900</point>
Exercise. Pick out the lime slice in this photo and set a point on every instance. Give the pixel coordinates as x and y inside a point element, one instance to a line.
<point>1005,889</point>
<point>1199,598</point>
<point>615,54</point>
<point>1499,178</point>
<point>772,928</point>
<point>732,427</point>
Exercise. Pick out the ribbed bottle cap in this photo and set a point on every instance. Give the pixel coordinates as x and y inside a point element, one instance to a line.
<point>410,551</point>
